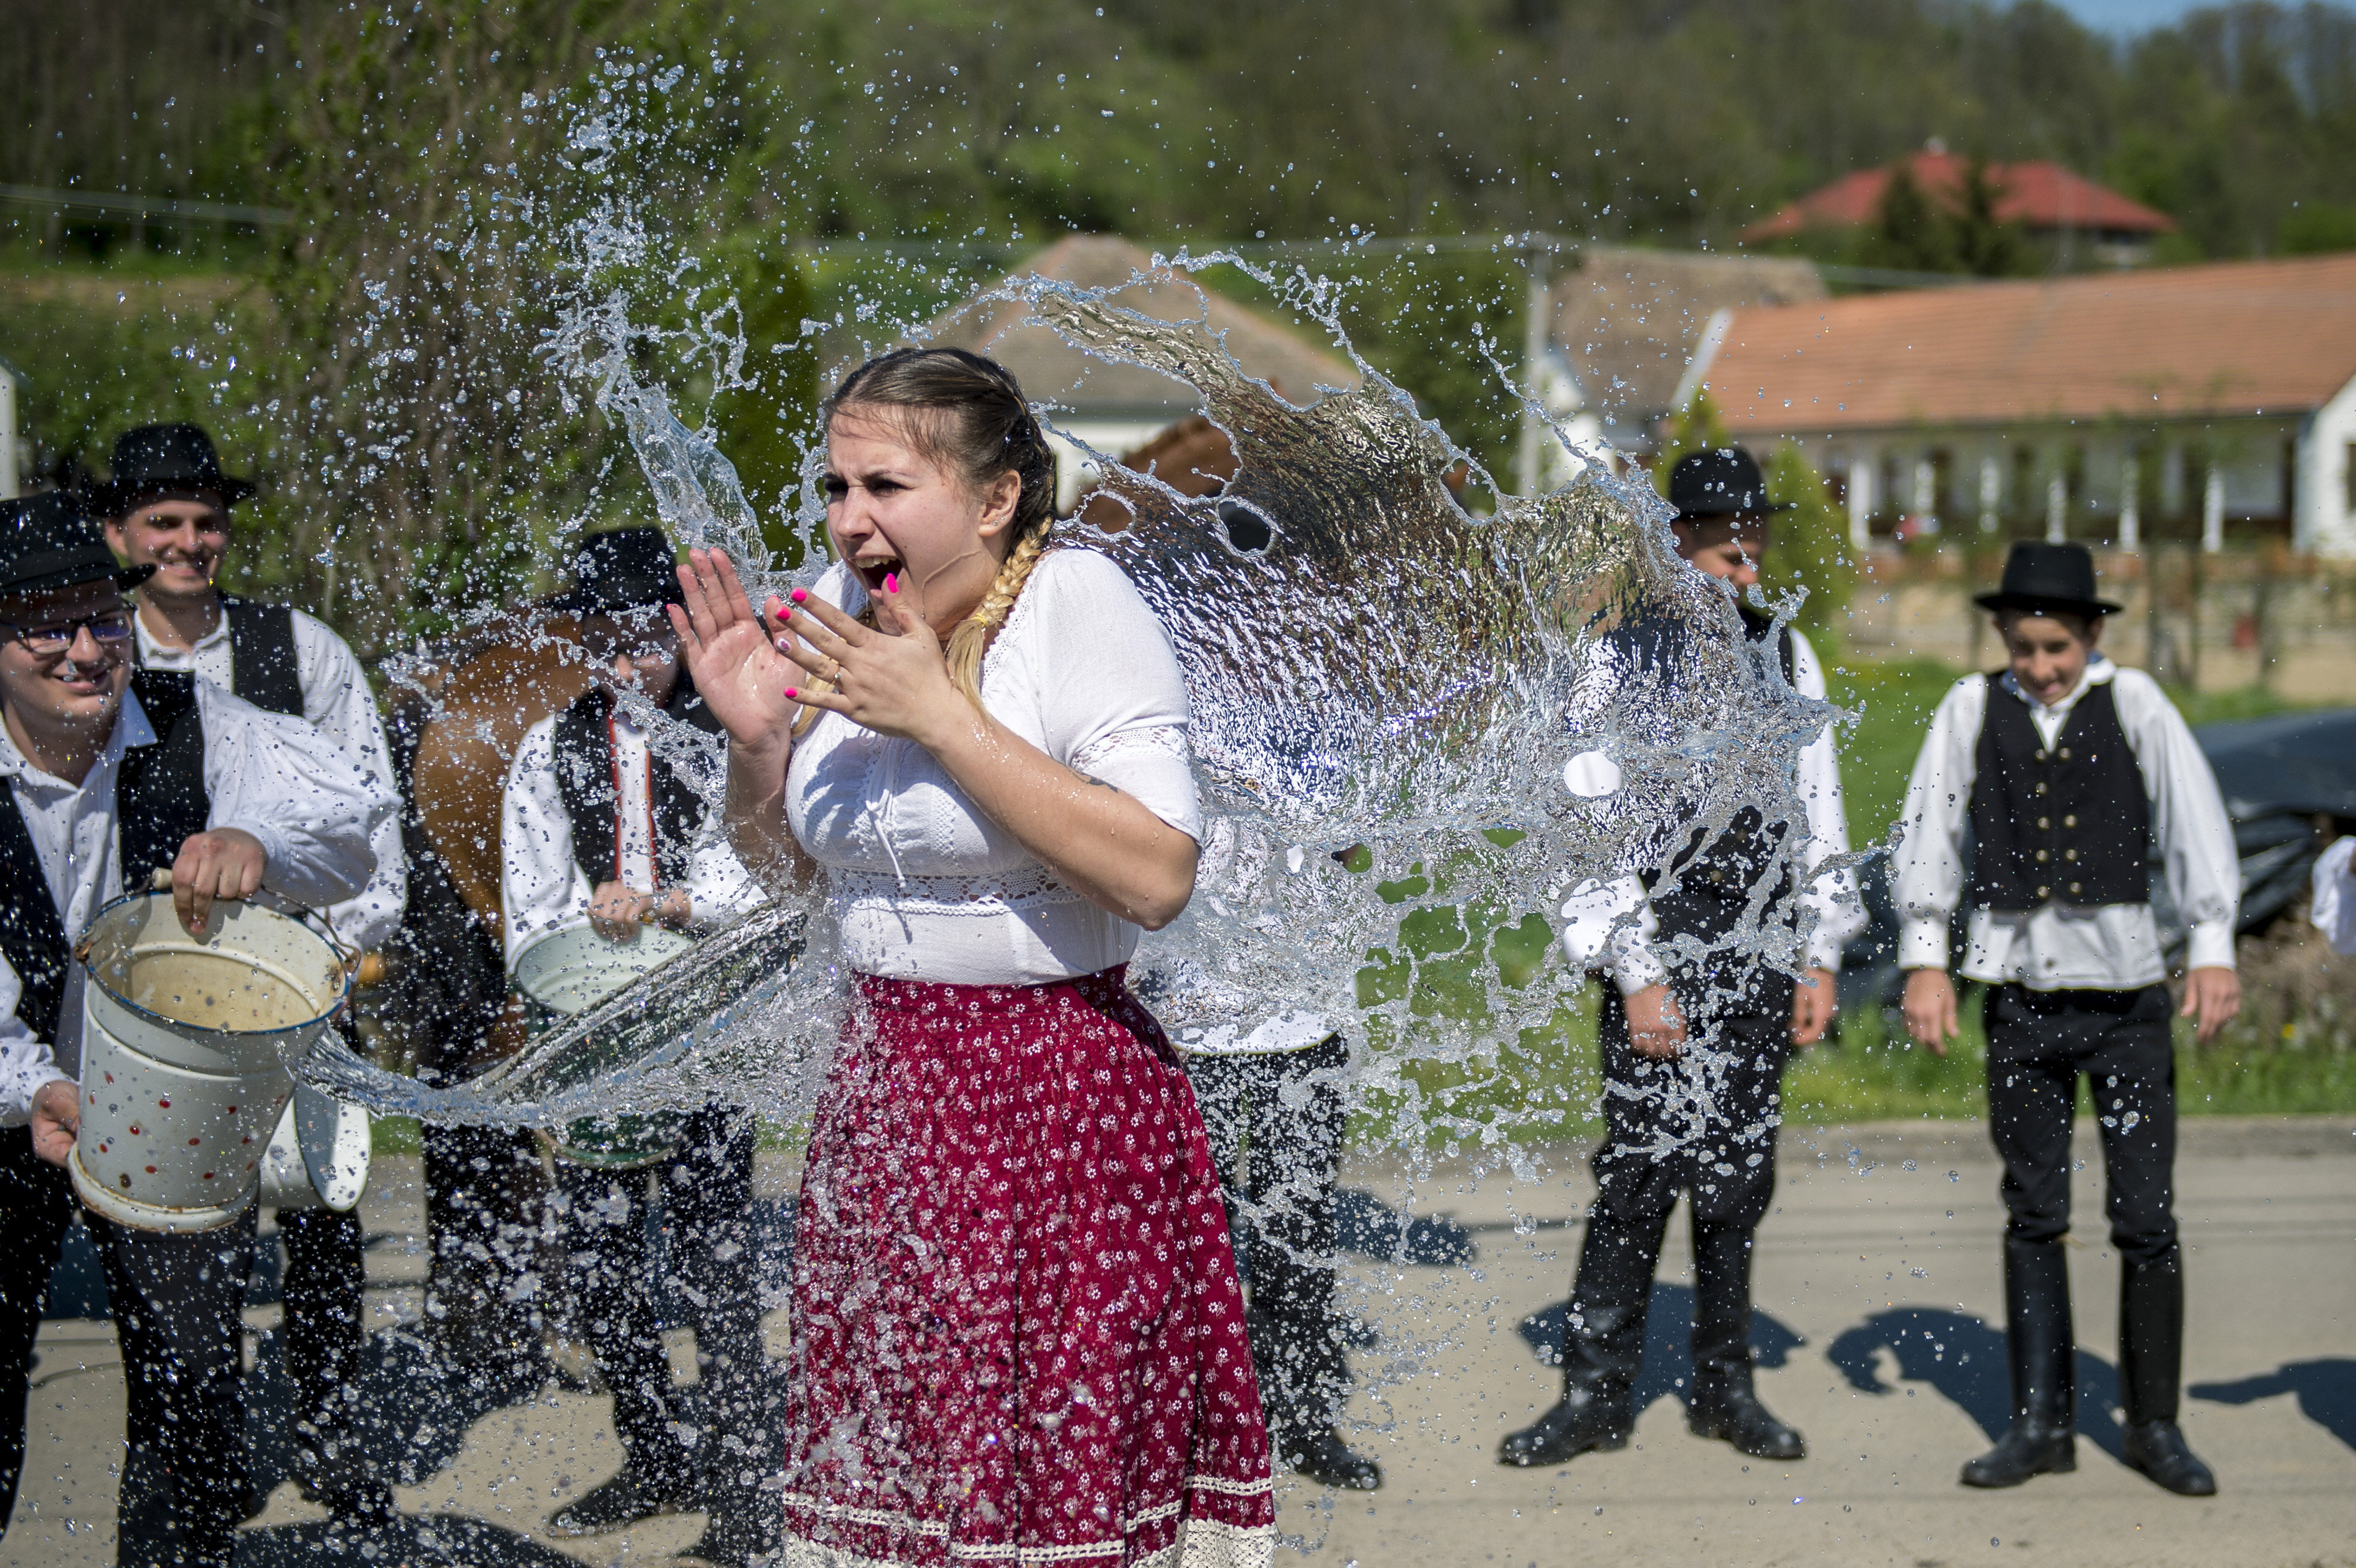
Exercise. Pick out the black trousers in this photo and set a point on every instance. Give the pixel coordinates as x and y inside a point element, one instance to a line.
<point>1694,1126</point>
<point>323,1332</point>
<point>706,1190</point>
<point>1700,1126</point>
<point>36,1203</point>
<point>177,1301</point>
<point>1276,1135</point>
<point>2040,1043</point>
<point>485,1191</point>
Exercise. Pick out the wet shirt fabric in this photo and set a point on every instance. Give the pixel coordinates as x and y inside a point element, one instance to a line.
<point>1609,926</point>
<point>2334,910</point>
<point>312,807</point>
<point>2059,946</point>
<point>925,886</point>
<point>1018,1331</point>
<point>336,702</point>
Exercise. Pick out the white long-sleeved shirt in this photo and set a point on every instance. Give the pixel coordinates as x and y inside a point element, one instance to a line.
<point>1597,932</point>
<point>337,702</point>
<point>2060,946</point>
<point>313,809</point>
<point>2334,909</point>
<point>541,886</point>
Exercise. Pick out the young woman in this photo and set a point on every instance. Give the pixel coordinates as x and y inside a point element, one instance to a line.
<point>1017,1328</point>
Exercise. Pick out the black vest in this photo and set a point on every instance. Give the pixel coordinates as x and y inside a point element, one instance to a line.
<point>262,668</point>
<point>2072,824</point>
<point>584,751</point>
<point>159,803</point>
<point>1708,887</point>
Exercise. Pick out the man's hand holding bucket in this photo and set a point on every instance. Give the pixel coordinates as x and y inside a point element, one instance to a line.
<point>56,1118</point>
<point>221,863</point>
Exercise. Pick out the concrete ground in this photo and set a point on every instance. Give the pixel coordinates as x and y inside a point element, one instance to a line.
<point>1879,1333</point>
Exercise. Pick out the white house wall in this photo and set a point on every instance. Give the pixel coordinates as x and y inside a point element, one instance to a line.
<point>2322,522</point>
<point>2172,473</point>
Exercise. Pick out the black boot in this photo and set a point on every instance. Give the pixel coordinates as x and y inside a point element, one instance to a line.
<point>2151,1357</point>
<point>2043,1346</point>
<point>1725,1404</point>
<point>1602,1348</point>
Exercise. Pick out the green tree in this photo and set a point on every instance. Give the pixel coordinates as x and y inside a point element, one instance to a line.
<point>1808,548</point>
<point>1910,232</point>
<point>2315,227</point>
<point>1696,427</point>
<point>765,426</point>
<point>1985,245</point>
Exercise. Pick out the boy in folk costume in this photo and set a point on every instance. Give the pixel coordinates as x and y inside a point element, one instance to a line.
<point>166,507</point>
<point>111,775</point>
<point>1756,1015</point>
<point>2070,772</point>
<point>598,830</point>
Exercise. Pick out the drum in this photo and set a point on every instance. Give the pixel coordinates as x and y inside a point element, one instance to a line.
<point>563,975</point>
<point>187,1041</point>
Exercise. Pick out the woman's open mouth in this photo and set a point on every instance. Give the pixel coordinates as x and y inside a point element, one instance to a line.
<point>875,569</point>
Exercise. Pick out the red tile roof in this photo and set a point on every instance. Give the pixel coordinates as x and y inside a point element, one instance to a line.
<point>2237,337</point>
<point>2038,196</point>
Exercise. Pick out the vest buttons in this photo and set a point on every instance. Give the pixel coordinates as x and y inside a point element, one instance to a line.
<point>2042,856</point>
<point>2043,823</point>
<point>2040,753</point>
<point>2069,822</point>
<point>2043,892</point>
<point>2074,887</point>
<point>2041,786</point>
<point>2069,854</point>
<point>2065,753</point>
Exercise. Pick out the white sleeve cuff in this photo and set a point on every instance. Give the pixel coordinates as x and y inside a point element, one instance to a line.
<point>1634,969</point>
<point>2212,946</point>
<point>1922,943</point>
<point>277,852</point>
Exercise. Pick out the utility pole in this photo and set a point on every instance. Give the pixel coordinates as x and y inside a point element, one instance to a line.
<point>1538,333</point>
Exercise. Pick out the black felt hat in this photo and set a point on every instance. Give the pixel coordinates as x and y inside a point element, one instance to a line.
<point>628,569</point>
<point>2039,578</point>
<point>1719,486</point>
<point>165,460</point>
<point>46,541</point>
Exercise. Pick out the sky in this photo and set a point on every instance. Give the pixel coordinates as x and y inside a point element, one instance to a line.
<point>2129,15</point>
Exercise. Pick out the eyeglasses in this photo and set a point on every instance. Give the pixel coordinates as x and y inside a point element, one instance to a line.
<point>110,629</point>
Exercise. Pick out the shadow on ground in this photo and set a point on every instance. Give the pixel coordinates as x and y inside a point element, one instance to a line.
<point>2325,1391</point>
<point>1668,1343</point>
<point>426,1540</point>
<point>1365,1225</point>
<point>1962,1359</point>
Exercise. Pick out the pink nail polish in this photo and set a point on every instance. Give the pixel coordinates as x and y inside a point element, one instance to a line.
<point>891,582</point>
<point>783,614</point>
<point>792,696</point>
<point>800,594</point>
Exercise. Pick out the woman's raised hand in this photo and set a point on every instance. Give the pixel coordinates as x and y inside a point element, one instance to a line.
<point>892,681</point>
<point>732,655</point>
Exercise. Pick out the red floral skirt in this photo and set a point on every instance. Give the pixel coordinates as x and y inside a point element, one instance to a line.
<point>1018,1335</point>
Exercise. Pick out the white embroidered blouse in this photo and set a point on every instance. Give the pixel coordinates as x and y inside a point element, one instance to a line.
<point>927,888</point>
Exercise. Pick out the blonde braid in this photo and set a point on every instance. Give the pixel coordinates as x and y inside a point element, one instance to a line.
<point>974,634</point>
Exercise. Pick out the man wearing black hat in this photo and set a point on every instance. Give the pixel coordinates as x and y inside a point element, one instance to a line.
<point>1752,1015</point>
<point>598,830</point>
<point>167,509</point>
<point>2071,773</point>
<point>112,774</point>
